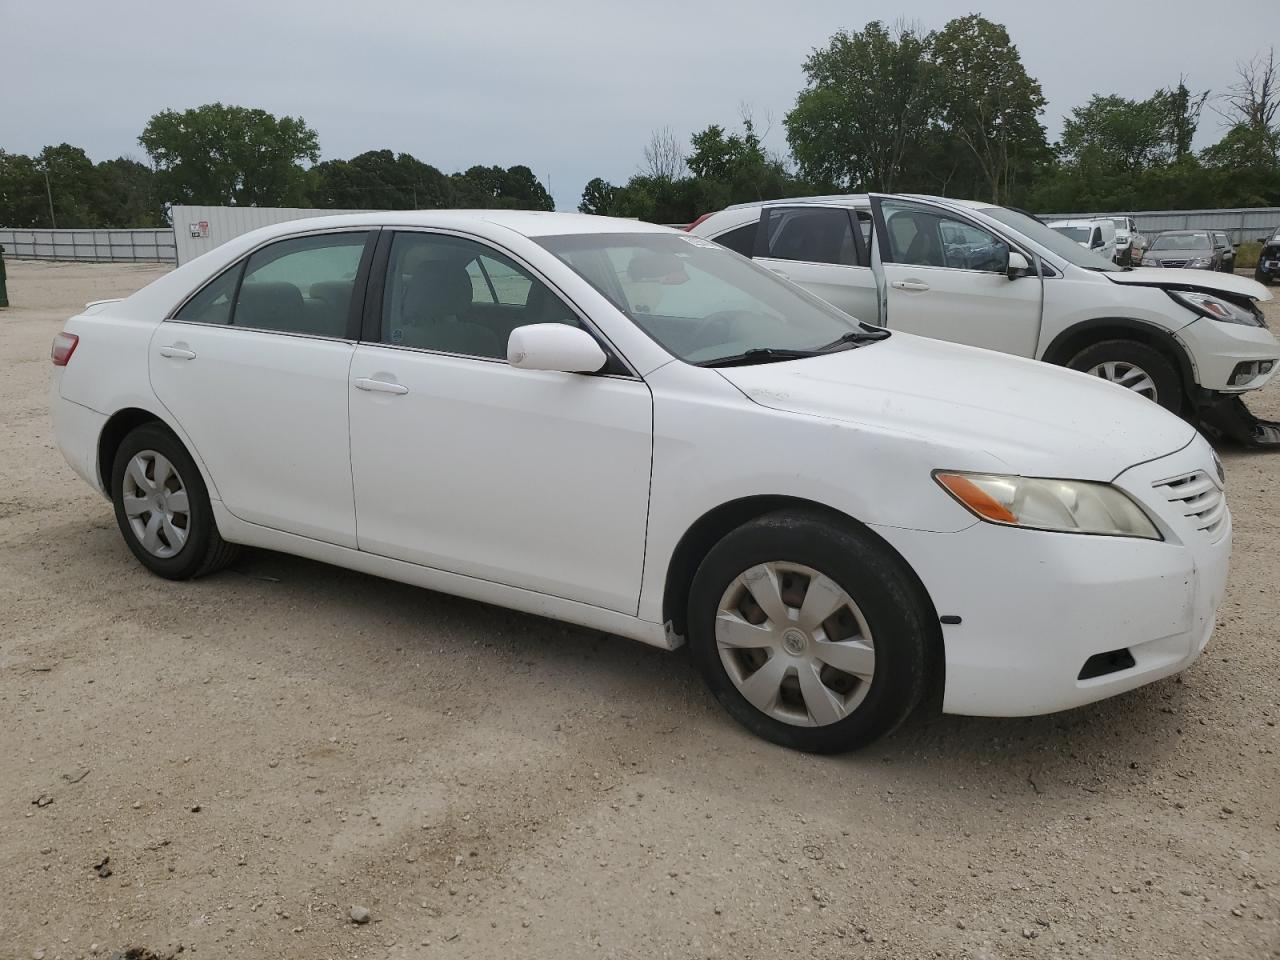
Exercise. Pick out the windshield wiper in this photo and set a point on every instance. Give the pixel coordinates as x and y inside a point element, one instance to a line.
<point>759,355</point>
<point>855,338</point>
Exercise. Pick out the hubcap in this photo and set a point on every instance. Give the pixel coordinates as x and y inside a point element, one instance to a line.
<point>1128,375</point>
<point>156,504</point>
<point>795,644</point>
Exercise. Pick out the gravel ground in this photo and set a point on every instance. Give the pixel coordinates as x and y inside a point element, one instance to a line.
<point>261,751</point>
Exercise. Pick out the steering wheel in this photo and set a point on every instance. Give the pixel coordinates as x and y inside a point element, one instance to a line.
<point>720,319</point>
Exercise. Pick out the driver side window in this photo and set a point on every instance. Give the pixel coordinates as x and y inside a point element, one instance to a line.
<point>924,237</point>
<point>453,295</point>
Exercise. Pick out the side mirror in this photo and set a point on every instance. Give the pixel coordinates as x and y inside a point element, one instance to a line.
<point>554,346</point>
<point>1018,266</point>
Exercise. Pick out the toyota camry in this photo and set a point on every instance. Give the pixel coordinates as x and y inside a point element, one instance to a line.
<point>630,428</point>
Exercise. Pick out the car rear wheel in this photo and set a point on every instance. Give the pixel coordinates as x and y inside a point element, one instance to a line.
<point>1135,366</point>
<point>162,506</point>
<point>810,632</point>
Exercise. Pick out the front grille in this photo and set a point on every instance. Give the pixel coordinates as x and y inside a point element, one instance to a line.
<point>1199,499</point>
<point>1175,263</point>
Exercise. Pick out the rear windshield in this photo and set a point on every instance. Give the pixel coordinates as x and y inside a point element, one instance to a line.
<point>699,300</point>
<point>1052,241</point>
<point>1182,241</point>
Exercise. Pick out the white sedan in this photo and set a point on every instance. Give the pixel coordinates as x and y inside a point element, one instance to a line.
<point>633,429</point>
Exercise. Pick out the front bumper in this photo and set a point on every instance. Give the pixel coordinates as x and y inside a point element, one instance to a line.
<point>1217,349</point>
<point>1036,606</point>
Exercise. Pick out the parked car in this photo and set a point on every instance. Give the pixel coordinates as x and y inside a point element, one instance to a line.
<point>630,428</point>
<point>1186,339</point>
<point>1129,242</point>
<point>1184,249</point>
<point>1098,236</point>
<point>1226,251</point>
<point>1268,268</point>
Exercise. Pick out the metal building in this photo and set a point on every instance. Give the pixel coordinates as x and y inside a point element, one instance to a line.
<point>198,230</point>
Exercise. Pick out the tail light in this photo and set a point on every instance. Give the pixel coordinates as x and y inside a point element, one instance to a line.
<point>64,345</point>
<point>690,226</point>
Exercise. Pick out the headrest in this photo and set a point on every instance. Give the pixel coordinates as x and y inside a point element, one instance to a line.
<point>439,288</point>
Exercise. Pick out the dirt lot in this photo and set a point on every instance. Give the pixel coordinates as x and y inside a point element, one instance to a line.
<point>260,751</point>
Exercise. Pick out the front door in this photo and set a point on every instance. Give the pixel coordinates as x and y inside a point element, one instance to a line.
<point>463,463</point>
<point>254,369</point>
<point>946,276</point>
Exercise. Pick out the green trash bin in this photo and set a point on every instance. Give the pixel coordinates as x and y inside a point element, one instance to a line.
<point>4,293</point>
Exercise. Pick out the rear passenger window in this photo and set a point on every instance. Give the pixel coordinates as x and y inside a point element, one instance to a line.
<point>302,285</point>
<point>740,240</point>
<point>213,303</point>
<point>453,295</point>
<point>813,235</point>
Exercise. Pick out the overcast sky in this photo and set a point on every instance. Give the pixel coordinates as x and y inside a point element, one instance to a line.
<point>572,88</point>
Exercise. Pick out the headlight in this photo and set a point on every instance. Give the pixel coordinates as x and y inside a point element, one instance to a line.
<point>1198,263</point>
<point>1216,308</point>
<point>1063,506</point>
<point>1150,262</point>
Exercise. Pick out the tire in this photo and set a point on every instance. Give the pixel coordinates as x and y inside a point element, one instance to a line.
<point>188,544</point>
<point>824,710</point>
<point>1126,359</point>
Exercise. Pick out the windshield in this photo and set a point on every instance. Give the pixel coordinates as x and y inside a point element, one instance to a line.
<point>1182,241</point>
<point>699,300</point>
<point>1078,234</point>
<point>1052,241</point>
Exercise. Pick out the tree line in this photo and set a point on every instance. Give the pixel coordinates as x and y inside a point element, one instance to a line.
<point>954,112</point>
<point>222,155</point>
<point>885,108</point>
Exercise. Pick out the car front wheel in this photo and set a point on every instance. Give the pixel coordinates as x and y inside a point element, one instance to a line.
<point>810,632</point>
<point>1135,366</point>
<point>162,507</point>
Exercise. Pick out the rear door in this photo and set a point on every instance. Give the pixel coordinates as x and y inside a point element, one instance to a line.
<point>254,369</point>
<point>824,249</point>
<point>946,276</point>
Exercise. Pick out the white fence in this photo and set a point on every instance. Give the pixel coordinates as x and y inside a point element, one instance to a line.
<point>122,246</point>
<point>1242,224</point>
<point>199,229</point>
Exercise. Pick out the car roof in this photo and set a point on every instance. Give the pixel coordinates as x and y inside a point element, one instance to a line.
<point>529,223</point>
<point>857,199</point>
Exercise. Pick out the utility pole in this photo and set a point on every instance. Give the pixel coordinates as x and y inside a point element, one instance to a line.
<point>49,193</point>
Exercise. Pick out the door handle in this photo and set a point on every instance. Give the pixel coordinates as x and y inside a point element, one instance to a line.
<point>379,386</point>
<point>914,285</point>
<point>177,353</point>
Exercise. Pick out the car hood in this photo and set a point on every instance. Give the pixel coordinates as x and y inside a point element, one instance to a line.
<point>1035,418</point>
<point>1200,279</point>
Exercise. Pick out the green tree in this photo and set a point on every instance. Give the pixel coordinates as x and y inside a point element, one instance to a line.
<point>70,176</point>
<point>598,197</point>
<point>513,188</point>
<point>124,194</point>
<point>870,100</point>
<point>218,154</point>
<point>22,194</point>
<point>1115,134</point>
<point>379,180</point>
<point>989,102</point>
<point>1181,109</point>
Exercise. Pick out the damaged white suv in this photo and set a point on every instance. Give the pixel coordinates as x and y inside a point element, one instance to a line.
<point>992,277</point>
